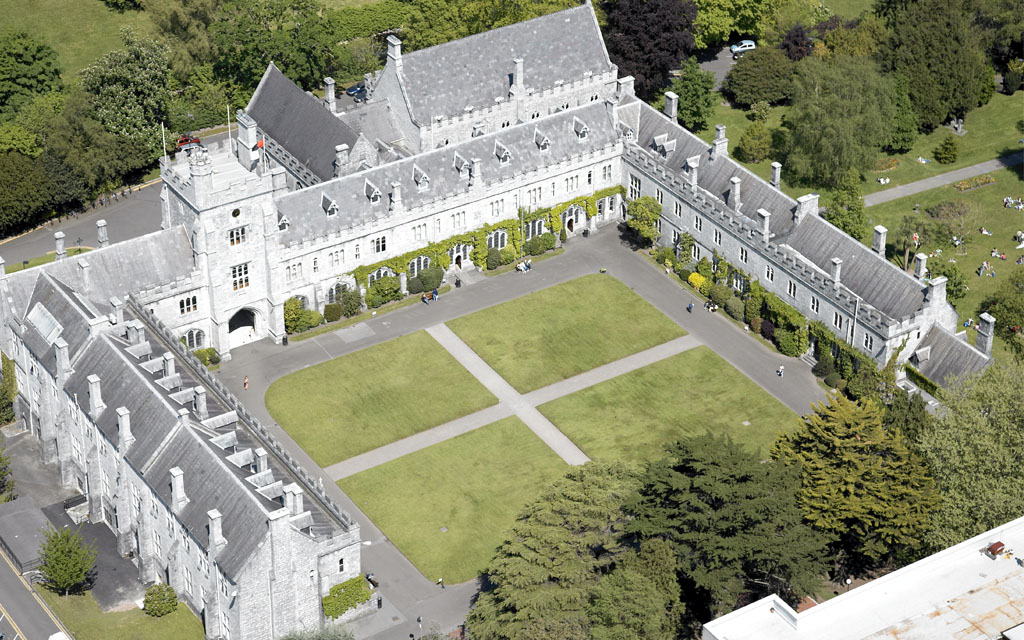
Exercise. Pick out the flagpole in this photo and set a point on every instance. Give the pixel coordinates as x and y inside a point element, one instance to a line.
<point>163,139</point>
<point>227,108</point>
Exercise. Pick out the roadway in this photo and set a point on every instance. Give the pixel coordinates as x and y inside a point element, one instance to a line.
<point>23,616</point>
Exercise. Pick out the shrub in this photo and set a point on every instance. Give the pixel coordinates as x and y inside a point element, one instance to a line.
<point>292,314</point>
<point>207,356</point>
<point>825,364</point>
<point>755,325</point>
<point>351,303</point>
<point>696,280</point>
<point>312,318</point>
<point>665,256</point>
<point>509,255</point>
<point>345,596</point>
<point>755,144</point>
<point>950,210</point>
<point>562,237</point>
<point>534,246</point>
<point>720,294</point>
<point>160,600</point>
<point>682,271</point>
<point>332,312</point>
<point>1012,80</point>
<point>705,268</point>
<point>414,285</point>
<point>431,277</point>
<point>493,259</point>
<point>767,329</point>
<point>734,307</point>
<point>760,111</point>
<point>549,240</point>
<point>948,151</point>
<point>832,380</point>
<point>788,342</point>
<point>384,290</point>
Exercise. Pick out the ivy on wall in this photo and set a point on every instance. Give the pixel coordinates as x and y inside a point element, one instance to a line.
<point>345,596</point>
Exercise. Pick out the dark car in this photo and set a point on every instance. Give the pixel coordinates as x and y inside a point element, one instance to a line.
<point>355,89</point>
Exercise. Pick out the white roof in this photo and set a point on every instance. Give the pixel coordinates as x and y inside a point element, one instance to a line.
<point>959,592</point>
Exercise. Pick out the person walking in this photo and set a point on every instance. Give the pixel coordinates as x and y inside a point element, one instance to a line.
<point>782,370</point>
<point>436,296</point>
<point>245,383</point>
<point>689,308</point>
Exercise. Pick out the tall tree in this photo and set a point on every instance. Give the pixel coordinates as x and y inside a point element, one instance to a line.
<point>644,214</point>
<point>66,559</point>
<point>733,521</point>
<point>860,484</point>
<point>696,102</point>
<point>1007,306</point>
<point>845,205</point>
<point>185,27</point>
<point>27,67</point>
<point>24,186</point>
<point>763,75</point>
<point>907,413</point>
<point>717,20</point>
<point>634,47</point>
<point>973,449</point>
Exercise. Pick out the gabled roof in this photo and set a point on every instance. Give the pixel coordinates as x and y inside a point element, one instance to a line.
<point>471,72</point>
<point>942,357</point>
<point>298,122</point>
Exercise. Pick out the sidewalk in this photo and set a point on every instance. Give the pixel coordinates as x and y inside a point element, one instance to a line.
<point>942,179</point>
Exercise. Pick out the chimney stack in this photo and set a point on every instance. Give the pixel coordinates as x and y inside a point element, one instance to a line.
<point>135,332</point>
<point>878,245</point>
<point>178,497</point>
<point>806,205</point>
<point>518,81</point>
<point>936,295</point>
<point>329,100</point>
<point>720,145</point>
<point>920,266</point>
<point>117,317</point>
<point>986,330</point>
<point>101,234</point>
<point>199,402</point>
<point>837,267</point>
<point>96,405</point>
<point>475,178</point>
<point>293,499</point>
<point>672,106</point>
<point>396,196</point>
<point>261,460</point>
<point>766,218</point>
<point>340,159</point>
<point>63,360</point>
<point>691,169</point>
<point>734,193</point>
<point>168,368</point>
<point>624,86</point>
<point>124,429</point>
<point>83,273</point>
<point>59,240</point>
<point>217,541</point>
<point>777,175</point>
<point>395,52</point>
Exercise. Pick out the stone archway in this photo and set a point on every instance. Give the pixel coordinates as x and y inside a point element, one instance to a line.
<point>242,327</point>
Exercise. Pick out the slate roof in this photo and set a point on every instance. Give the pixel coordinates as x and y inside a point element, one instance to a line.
<point>444,79</point>
<point>307,218</point>
<point>375,121</point>
<point>948,357</point>
<point>298,122</point>
<point>74,328</point>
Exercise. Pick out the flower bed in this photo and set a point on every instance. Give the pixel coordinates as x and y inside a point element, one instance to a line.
<point>974,183</point>
<point>887,164</point>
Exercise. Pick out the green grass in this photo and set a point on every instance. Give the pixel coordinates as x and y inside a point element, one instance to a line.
<point>473,485</point>
<point>362,317</point>
<point>86,621</point>
<point>987,203</point>
<point>47,259</point>
<point>512,265</point>
<point>81,31</point>
<point>633,416</point>
<point>564,330</point>
<point>849,8</point>
<point>364,400</point>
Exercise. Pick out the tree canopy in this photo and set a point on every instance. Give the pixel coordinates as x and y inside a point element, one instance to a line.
<point>762,75</point>
<point>27,67</point>
<point>633,46</point>
<point>845,205</point>
<point>717,20</point>
<point>696,102</point>
<point>1007,306</point>
<point>66,559</point>
<point>644,214</point>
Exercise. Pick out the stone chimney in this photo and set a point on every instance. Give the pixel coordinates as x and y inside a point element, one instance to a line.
<point>63,360</point>
<point>178,497</point>
<point>293,499</point>
<point>58,238</point>
<point>720,145</point>
<point>124,429</point>
<point>101,234</point>
<point>199,402</point>
<point>476,177</point>
<point>340,159</point>
<point>261,460</point>
<point>624,86</point>
<point>777,175</point>
<point>518,79</point>
<point>672,106</point>
<point>246,149</point>
<point>83,273</point>
<point>216,530</point>
<point>396,196</point>
<point>183,417</point>
<point>766,219</point>
<point>986,330</point>
<point>691,170</point>
<point>920,266</point>
<point>878,244</point>
<point>734,193</point>
<point>201,171</point>
<point>135,333</point>
<point>168,368</point>
<point>837,267</point>
<point>936,295</point>
<point>395,52</point>
<point>329,100</point>
<point>806,205</point>
<point>117,316</point>
<point>96,405</point>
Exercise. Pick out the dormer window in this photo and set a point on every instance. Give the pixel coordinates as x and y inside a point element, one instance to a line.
<point>478,130</point>
<point>462,166</point>
<point>421,179</point>
<point>329,206</point>
<point>502,152</point>
<point>372,192</point>
<point>283,224</point>
<point>541,140</point>
<point>663,145</point>
<point>581,128</point>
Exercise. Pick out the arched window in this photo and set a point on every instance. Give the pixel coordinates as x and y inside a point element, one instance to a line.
<point>379,245</point>
<point>418,264</point>
<point>497,239</point>
<point>459,251</point>
<point>334,293</point>
<point>533,228</point>
<point>303,301</point>
<point>383,272</point>
<point>195,339</point>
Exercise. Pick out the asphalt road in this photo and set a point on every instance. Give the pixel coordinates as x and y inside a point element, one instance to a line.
<point>22,614</point>
<point>718,62</point>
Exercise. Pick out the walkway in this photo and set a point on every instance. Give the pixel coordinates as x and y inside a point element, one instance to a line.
<point>942,179</point>
<point>510,403</point>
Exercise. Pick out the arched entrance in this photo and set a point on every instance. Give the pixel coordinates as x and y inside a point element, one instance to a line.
<point>571,218</point>
<point>242,328</point>
<point>458,254</point>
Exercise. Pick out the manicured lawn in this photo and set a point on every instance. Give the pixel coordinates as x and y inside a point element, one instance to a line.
<point>84,619</point>
<point>473,486</point>
<point>47,259</point>
<point>633,416</point>
<point>849,8</point>
<point>81,31</point>
<point>987,203</point>
<point>564,330</point>
<point>369,398</point>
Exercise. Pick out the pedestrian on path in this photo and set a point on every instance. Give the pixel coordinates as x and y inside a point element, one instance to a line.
<point>440,582</point>
<point>689,308</point>
<point>424,299</point>
<point>782,370</point>
<point>436,296</point>
<point>245,383</point>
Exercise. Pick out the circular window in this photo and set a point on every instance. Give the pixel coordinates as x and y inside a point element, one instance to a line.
<point>236,213</point>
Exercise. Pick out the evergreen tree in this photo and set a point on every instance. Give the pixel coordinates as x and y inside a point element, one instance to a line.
<point>644,214</point>
<point>860,484</point>
<point>733,521</point>
<point>696,102</point>
<point>755,144</point>
<point>908,414</point>
<point>845,206</point>
<point>27,68</point>
<point>948,150</point>
<point>66,559</point>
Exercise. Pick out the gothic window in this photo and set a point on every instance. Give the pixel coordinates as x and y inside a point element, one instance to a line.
<point>341,565</point>
<point>533,228</point>
<point>240,276</point>
<point>334,293</point>
<point>418,264</point>
<point>869,341</point>
<point>379,245</point>
<point>769,273</point>
<point>194,339</point>
<point>659,195</point>
<point>293,271</point>
<point>188,304</point>
<point>675,237</point>
<point>695,251</point>
<point>791,288</point>
<point>383,272</point>
<point>815,304</point>
<point>634,187</point>
<point>497,240</point>
<point>594,98</point>
<point>743,255</point>
<point>459,251</point>
<point>357,252</point>
<point>606,172</point>
<point>677,209</point>
<point>236,236</point>
<point>590,177</point>
<point>316,266</point>
<point>837,320</point>
<point>718,237</point>
<point>698,223</point>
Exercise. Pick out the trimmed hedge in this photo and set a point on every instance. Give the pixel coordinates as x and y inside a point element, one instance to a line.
<point>160,600</point>
<point>207,356</point>
<point>332,312</point>
<point>493,259</point>
<point>345,596</point>
<point>414,285</point>
<point>431,277</point>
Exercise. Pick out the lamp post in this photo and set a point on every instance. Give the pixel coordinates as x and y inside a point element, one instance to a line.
<point>849,581</point>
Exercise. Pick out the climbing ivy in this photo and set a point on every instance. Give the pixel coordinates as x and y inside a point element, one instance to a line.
<point>345,596</point>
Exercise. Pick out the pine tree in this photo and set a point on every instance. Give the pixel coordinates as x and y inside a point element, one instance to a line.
<point>860,484</point>
<point>845,206</point>
<point>66,559</point>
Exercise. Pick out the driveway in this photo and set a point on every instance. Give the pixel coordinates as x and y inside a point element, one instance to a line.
<point>717,61</point>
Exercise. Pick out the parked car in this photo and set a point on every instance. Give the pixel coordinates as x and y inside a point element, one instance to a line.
<point>187,140</point>
<point>355,89</point>
<point>741,48</point>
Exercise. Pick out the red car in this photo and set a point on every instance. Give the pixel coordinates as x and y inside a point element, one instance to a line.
<point>187,140</point>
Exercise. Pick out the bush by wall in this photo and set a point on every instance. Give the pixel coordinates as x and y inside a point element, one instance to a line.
<point>207,356</point>
<point>921,381</point>
<point>696,280</point>
<point>414,285</point>
<point>351,303</point>
<point>345,596</point>
<point>160,600</point>
<point>734,307</point>
<point>431,277</point>
<point>720,294</point>
<point>493,259</point>
<point>332,312</point>
<point>384,290</point>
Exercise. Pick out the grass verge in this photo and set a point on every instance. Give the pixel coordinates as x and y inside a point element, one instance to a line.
<point>86,621</point>
<point>564,330</point>
<point>364,400</point>
<point>473,485</point>
<point>47,259</point>
<point>509,267</point>
<point>366,315</point>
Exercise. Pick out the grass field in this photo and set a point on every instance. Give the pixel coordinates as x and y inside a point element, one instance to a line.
<point>47,259</point>
<point>86,621</point>
<point>369,398</point>
<point>987,204</point>
<point>473,486</point>
<point>81,31</point>
<point>564,330</point>
<point>849,8</point>
<point>633,416</point>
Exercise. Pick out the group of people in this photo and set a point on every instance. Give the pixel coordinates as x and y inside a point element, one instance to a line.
<point>1013,203</point>
<point>986,268</point>
<point>430,295</point>
<point>524,266</point>
<point>883,180</point>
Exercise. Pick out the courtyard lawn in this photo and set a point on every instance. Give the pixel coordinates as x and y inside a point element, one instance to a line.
<point>987,203</point>
<point>633,416</point>
<point>86,621</point>
<point>473,485</point>
<point>364,400</point>
<point>564,330</point>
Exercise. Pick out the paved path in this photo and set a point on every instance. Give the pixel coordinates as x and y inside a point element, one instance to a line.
<point>942,179</point>
<point>511,404</point>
